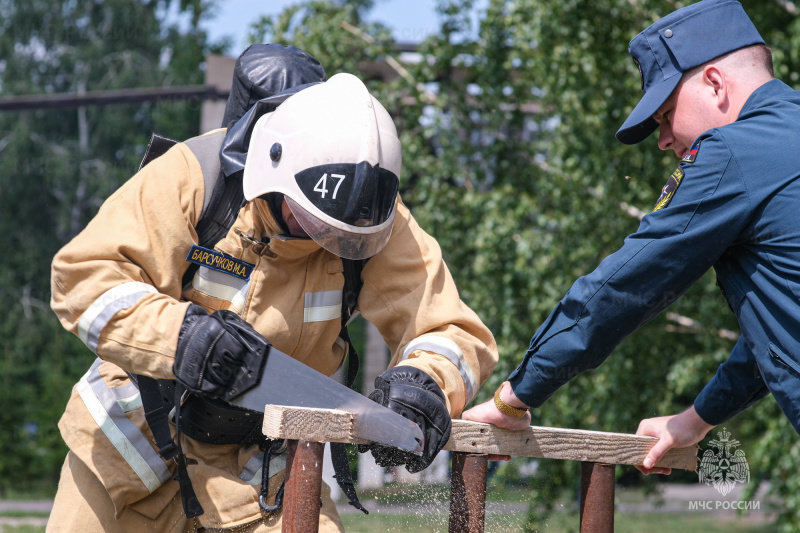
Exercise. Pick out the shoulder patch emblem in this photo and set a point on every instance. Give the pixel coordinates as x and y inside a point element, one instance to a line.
<point>669,189</point>
<point>692,155</point>
<point>221,262</point>
<point>676,178</point>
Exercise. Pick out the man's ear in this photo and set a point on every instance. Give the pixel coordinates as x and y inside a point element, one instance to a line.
<point>716,83</point>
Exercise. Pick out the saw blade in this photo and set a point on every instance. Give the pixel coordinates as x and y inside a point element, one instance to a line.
<point>287,381</point>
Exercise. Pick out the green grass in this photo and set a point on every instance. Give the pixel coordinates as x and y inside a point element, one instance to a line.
<point>559,522</point>
<point>428,523</point>
<point>687,523</point>
<point>564,520</point>
<point>434,499</point>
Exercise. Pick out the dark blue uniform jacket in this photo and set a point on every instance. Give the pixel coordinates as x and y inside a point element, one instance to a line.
<point>736,208</point>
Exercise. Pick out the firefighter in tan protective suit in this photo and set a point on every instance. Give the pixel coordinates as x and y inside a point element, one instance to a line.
<point>320,180</point>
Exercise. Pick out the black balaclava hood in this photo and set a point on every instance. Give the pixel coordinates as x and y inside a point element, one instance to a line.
<point>264,70</point>
<point>263,77</point>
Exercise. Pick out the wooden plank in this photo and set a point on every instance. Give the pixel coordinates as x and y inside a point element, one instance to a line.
<point>313,425</point>
<point>329,425</point>
<point>558,443</point>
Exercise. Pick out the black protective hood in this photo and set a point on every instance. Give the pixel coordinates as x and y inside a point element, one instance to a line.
<point>264,76</point>
<point>233,153</point>
<point>264,70</point>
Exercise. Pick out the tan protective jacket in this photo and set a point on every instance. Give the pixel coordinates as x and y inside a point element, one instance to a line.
<point>117,285</point>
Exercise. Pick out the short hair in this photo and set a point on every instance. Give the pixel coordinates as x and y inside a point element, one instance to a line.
<point>765,56</point>
<point>757,55</point>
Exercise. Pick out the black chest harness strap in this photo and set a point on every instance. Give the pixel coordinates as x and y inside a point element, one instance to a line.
<point>352,288</point>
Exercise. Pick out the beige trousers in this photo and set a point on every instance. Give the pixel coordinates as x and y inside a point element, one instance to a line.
<point>82,505</point>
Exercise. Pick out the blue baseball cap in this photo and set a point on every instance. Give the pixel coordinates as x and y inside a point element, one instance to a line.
<point>679,42</point>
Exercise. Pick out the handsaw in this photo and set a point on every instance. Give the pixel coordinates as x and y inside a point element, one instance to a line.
<point>287,381</point>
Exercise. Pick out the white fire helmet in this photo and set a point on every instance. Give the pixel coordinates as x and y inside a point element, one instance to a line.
<point>332,151</point>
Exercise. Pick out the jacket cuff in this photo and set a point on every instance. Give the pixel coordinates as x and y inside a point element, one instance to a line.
<point>444,374</point>
<point>714,405</point>
<point>530,387</point>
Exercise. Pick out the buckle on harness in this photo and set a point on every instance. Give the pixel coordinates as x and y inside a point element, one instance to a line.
<point>170,451</point>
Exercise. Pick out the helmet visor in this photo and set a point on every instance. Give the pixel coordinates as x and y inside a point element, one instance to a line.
<point>354,194</point>
<point>360,243</point>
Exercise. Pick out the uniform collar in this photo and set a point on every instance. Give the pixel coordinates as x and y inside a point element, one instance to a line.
<point>763,93</point>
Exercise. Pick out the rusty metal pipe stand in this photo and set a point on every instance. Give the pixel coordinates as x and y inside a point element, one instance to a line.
<point>468,492</point>
<point>597,498</point>
<point>301,492</point>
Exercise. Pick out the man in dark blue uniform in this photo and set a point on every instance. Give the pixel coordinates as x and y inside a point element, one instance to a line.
<point>733,203</point>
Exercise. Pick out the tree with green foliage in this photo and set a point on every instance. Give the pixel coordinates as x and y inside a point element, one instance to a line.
<point>510,161</point>
<point>58,167</point>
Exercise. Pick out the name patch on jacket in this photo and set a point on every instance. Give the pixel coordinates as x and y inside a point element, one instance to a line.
<point>675,179</point>
<point>218,261</point>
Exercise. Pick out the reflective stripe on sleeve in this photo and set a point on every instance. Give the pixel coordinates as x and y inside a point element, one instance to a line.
<point>97,316</point>
<point>223,286</point>
<point>451,351</point>
<point>105,408</point>
<point>130,404</point>
<point>127,396</point>
<point>322,306</point>
<point>341,343</point>
<point>252,470</point>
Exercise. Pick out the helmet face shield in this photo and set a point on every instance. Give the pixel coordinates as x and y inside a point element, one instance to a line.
<point>361,243</point>
<point>354,194</point>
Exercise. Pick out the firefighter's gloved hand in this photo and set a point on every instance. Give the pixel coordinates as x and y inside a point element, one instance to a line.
<point>412,393</point>
<point>219,355</point>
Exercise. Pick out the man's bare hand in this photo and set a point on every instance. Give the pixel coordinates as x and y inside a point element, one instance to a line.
<point>675,431</point>
<point>488,413</point>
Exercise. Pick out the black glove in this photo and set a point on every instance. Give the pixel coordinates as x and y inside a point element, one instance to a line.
<point>412,393</point>
<point>219,355</point>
